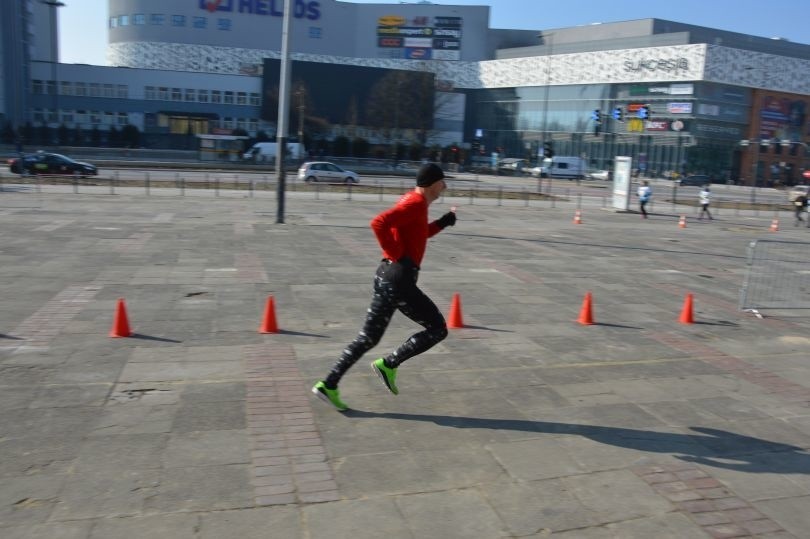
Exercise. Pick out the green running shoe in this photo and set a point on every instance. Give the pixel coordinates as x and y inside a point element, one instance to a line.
<point>386,374</point>
<point>329,396</point>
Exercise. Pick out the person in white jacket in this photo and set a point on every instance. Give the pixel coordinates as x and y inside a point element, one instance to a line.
<point>644,196</point>
<point>705,200</point>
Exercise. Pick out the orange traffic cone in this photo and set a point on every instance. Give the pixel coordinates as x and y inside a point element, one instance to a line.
<point>120,326</point>
<point>578,217</point>
<point>686,313</point>
<point>269,324</point>
<point>775,225</point>
<point>682,222</point>
<point>455,320</point>
<point>586,312</point>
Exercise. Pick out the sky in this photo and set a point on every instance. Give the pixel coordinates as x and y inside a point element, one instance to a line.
<point>83,23</point>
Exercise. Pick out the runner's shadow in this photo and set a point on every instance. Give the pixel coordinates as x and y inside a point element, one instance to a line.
<point>151,338</point>
<point>711,447</point>
<point>484,328</point>
<point>12,337</point>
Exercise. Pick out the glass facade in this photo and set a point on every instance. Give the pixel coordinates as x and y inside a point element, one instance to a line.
<point>666,127</point>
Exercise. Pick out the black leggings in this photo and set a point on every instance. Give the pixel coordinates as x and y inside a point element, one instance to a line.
<point>391,295</point>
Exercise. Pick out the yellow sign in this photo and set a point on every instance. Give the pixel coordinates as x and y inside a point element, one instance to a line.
<point>635,125</point>
<point>391,20</point>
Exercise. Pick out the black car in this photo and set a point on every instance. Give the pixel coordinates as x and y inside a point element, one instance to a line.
<point>50,163</point>
<point>698,180</point>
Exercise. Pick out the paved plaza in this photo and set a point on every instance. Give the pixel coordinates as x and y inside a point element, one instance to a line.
<point>522,424</point>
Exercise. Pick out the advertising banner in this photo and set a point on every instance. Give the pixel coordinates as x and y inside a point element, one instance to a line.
<point>622,166</point>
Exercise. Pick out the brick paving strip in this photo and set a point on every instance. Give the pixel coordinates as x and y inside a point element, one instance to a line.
<point>707,502</point>
<point>288,455</point>
<point>764,378</point>
<point>39,329</point>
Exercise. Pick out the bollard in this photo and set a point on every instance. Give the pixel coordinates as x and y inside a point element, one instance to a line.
<point>525,196</point>
<point>112,183</point>
<point>381,189</point>
<point>472,196</point>
<point>349,191</point>
<point>216,186</point>
<point>146,184</point>
<point>75,182</point>
<point>250,187</point>
<point>317,192</point>
<point>500,195</point>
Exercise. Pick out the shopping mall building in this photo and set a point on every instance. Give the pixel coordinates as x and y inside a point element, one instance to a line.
<point>434,73</point>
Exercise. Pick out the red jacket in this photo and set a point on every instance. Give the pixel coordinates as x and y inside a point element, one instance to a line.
<point>403,229</point>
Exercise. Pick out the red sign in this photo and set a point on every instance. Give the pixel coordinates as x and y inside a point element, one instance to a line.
<point>394,42</point>
<point>806,174</point>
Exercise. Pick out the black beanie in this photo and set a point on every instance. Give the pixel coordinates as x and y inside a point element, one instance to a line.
<point>428,174</point>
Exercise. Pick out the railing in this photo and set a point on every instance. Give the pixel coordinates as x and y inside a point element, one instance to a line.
<point>777,276</point>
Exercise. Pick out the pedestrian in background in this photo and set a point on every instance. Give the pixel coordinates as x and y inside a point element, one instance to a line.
<point>644,196</point>
<point>705,199</point>
<point>800,205</point>
<point>402,232</point>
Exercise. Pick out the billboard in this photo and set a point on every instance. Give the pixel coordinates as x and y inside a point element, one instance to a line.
<point>419,38</point>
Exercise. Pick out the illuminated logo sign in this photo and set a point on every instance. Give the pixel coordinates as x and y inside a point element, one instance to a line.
<point>447,22</point>
<point>404,31</point>
<point>679,108</point>
<point>451,44</point>
<point>391,20</point>
<point>656,125</point>
<point>390,42</point>
<point>417,54</point>
<point>423,42</point>
<point>302,9</point>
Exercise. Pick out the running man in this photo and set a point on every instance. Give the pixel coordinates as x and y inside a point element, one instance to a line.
<point>402,232</point>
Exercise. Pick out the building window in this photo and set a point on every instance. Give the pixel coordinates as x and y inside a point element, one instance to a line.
<point>122,91</point>
<point>65,88</point>
<point>123,118</point>
<point>224,24</point>
<point>108,90</point>
<point>139,19</point>
<point>50,87</point>
<point>227,123</point>
<point>200,22</point>
<point>157,19</point>
<point>178,20</point>
<point>150,93</point>
<point>241,98</point>
<point>202,96</point>
<point>113,22</point>
<point>123,20</point>
<point>53,116</point>
<point>253,125</point>
<point>228,98</point>
<point>191,94</point>
<point>67,117</point>
<point>216,96</point>
<point>109,118</point>
<point>95,117</point>
<point>163,93</point>
<point>177,94</point>
<point>81,117</point>
<point>95,89</point>
<point>80,89</point>
<point>38,115</point>
<point>255,99</point>
<point>36,87</point>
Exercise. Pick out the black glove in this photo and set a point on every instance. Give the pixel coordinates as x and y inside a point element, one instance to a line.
<point>448,219</point>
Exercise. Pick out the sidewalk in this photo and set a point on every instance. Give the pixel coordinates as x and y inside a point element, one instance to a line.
<point>522,424</point>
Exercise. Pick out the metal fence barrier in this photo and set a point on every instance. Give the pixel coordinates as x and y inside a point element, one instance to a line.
<point>777,276</point>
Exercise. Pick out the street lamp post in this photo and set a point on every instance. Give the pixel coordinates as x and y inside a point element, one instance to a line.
<point>550,36</point>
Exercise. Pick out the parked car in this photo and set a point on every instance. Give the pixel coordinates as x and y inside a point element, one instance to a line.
<point>50,163</point>
<point>323,171</point>
<point>697,180</point>
<point>798,190</point>
<point>512,166</point>
<point>595,174</point>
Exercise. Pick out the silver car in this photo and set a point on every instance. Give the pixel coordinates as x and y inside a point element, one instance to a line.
<point>323,171</point>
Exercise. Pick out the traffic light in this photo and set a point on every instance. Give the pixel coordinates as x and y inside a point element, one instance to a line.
<point>644,112</point>
<point>548,151</point>
<point>618,114</point>
<point>596,116</point>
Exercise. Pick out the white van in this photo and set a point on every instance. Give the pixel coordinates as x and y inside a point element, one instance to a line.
<point>568,167</point>
<point>265,152</point>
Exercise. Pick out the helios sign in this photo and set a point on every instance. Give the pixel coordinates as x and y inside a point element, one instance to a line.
<point>657,64</point>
